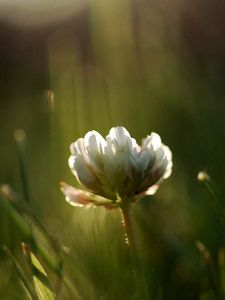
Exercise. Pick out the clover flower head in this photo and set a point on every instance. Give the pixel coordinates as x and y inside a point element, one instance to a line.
<point>116,168</point>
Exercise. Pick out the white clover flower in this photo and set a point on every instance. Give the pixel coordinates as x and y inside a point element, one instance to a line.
<point>116,168</point>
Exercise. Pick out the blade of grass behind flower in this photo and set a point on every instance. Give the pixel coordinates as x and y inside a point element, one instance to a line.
<point>211,267</point>
<point>41,282</point>
<point>37,273</point>
<point>23,207</point>
<point>27,284</point>
<point>20,139</point>
<point>213,193</point>
<point>27,229</point>
<point>17,218</point>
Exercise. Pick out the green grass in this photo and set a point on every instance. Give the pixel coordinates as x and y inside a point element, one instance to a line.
<point>129,67</point>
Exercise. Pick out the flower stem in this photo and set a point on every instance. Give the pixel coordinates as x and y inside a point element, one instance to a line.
<point>213,193</point>
<point>139,278</point>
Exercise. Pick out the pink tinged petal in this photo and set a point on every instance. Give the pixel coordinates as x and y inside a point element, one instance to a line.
<point>75,196</point>
<point>80,198</point>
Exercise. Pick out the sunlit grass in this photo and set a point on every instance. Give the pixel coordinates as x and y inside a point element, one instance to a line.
<point>126,65</point>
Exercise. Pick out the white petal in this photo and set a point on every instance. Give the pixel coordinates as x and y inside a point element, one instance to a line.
<point>168,152</point>
<point>95,147</point>
<point>113,164</point>
<point>168,171</point>
<point>163,163</point>
<point>109,148</point>
<point>121,159</point>
<point>168,157</point>
<point>160,168</point>
<point>152,140</point>
<point>82,170</point>
<point>135,147</point>
<point>152,190</point>
<point>147,144</point>
<point>119,140</point>
<point>144,160</point>
<point>159,154</point>
<point>116,162</point>
<point>119,133</point>
<point>71,162</point>
<point>94,143</point>
<point>77,147</point>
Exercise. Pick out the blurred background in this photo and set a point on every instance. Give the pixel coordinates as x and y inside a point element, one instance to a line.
<point>67,67</point>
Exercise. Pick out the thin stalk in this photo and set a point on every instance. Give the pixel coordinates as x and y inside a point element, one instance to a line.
<point>20,138</point>
<point>139,278</point>
<point>210,188</point>
<point>210,264</point>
